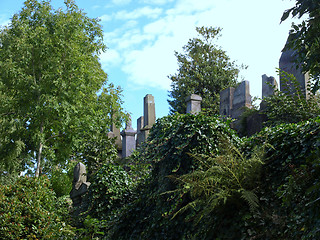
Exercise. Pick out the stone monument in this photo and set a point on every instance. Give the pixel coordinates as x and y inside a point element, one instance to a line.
<point>193,104</point>
<point>226,98</point>
<point>269,86</point>
<point>115,133</point>
<point>149,116</point>
<point>128,139</point>
<point>140,124</point>
<point>80,185</point>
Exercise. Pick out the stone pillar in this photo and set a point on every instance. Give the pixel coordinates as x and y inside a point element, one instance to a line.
<point>241,99</point>
<point>149,115</point>
<point>149,110</point>
<point>287,64</point>
<point>193,104</point>
<point>226,99</point>
<point>140,124</point>
<point>128,140</point>
<point>269,86</point>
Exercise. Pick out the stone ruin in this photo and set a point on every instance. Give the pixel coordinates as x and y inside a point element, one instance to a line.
<point>234,101</point>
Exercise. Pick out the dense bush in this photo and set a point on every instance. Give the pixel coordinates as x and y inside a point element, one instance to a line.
<point>205,183</point>
<point>289,190</point>
<point>111,188</point>
<point>172,142</point>
<point>28,210</point>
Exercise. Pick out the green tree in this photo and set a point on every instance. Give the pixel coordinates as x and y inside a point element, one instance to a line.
<point>304,37</point>
<point>49,79</point>
<point>204,69</point>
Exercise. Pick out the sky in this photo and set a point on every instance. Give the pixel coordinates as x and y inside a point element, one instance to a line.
<point>142,36</point>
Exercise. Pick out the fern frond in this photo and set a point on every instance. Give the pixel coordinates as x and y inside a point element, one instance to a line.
<point>251,198</point>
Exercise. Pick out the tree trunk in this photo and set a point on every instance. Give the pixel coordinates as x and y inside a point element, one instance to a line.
<point>39,155</point>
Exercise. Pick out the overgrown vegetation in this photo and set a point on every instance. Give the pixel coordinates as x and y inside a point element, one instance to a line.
<point>29,209</point>
<point>201,181</point>
<point>194,178</point>
<point>286,107</point>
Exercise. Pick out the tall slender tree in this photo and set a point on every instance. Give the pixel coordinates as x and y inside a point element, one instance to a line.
<point>49,78</point>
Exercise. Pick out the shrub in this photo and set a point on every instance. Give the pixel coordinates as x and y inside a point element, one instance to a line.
<point>28,211</point>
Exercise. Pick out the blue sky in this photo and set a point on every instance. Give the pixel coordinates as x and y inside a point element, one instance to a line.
<point>142,35</point>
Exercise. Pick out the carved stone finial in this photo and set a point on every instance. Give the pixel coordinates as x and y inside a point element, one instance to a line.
<point>129,123</point>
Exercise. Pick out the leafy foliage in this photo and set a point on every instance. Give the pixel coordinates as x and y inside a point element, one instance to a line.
<point>204,69</point>
<point>220,180</point>
<point>28,211</point>
<point>171,141</point>
<point>111,188</point>
<point>221,193</point>
<point>304,37</point>
<point>289,190</point>
<point>49,79</point>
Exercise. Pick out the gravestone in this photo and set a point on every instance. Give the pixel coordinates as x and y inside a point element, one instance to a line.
<point>226,99</point>
<point>80,187</point>
<point>149,110</point>
<point>193,104</point>
<point>287,64</point>
<point>269,86</point>
<point>149,116</point>
<point>241,99</point>
<point>128,140</point>
<point>140,123</point>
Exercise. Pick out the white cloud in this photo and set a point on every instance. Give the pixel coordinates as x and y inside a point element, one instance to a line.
<point>110,58</point>
<point>105,18</point>
<point>151,65</point>
<point>147,47</point>
<point>156,2</point>
<point>138,13</point>
<point>121,2</point>
<point>191,7</point>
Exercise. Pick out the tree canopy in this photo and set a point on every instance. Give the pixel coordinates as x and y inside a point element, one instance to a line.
<point>204,69</point>
<point>49,79</point>
<point>304,37</point>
